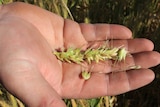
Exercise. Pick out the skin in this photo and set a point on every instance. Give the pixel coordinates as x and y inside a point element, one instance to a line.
<point>30,71</point>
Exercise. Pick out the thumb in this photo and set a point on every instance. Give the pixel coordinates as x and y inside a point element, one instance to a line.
<point>24,81</point>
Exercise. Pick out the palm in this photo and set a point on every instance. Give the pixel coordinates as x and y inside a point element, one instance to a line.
<point>41,72</point>
<point>62,77</point>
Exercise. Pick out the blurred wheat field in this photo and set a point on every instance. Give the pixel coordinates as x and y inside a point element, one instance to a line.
<point>142,17</point>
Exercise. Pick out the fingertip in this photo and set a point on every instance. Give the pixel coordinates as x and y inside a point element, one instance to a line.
<point>120,31</point>
<point>156,58</point>
<point>140,45</point>
<point>140,78</point>
<point>150,76</point>
<point>148,44</point>
<point>147,59</point>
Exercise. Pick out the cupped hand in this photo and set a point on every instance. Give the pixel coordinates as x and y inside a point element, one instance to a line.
<point>30,71</point>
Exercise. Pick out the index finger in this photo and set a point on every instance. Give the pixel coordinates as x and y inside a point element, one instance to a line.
<point>95,32</point>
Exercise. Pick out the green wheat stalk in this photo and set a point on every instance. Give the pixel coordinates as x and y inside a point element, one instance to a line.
<point>90,55</point>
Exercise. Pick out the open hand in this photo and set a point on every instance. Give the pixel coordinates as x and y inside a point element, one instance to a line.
<point>30,71</point>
